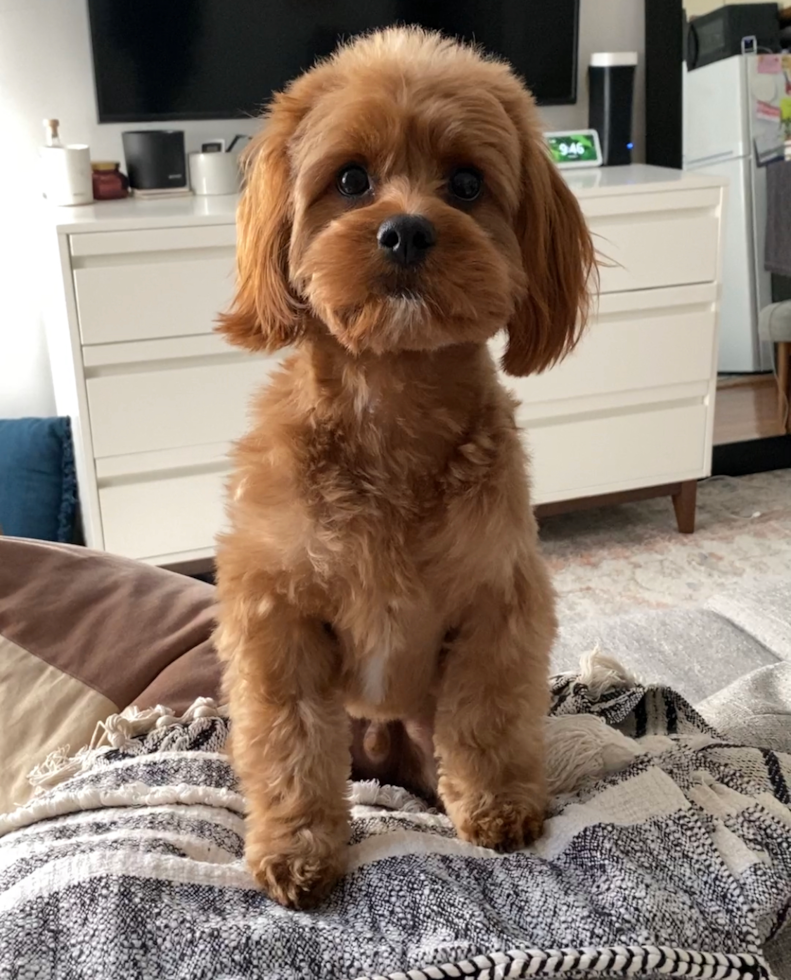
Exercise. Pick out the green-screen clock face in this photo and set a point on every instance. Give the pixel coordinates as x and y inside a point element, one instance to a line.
<point>574,148</point>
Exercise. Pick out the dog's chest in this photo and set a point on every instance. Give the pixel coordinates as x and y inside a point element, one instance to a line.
<point>393,547</point>
<point>390,617</point>
<point>390,650</point>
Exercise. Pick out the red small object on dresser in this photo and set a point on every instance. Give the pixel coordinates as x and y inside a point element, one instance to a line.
<point>108,181</point>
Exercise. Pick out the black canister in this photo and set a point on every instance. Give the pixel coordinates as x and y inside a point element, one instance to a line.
<point>611,94</point>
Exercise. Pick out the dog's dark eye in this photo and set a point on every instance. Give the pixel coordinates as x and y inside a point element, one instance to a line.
<point>465,184</point>
<point>352,180</point>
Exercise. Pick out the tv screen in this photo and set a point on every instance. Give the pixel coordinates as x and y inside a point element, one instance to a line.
<point>222,59</point>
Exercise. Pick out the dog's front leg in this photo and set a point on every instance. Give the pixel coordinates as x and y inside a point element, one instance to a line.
<point>489,723</point>
<point>290,746</point>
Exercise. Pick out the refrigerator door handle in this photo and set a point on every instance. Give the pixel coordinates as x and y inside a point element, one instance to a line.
<point>700,162</point>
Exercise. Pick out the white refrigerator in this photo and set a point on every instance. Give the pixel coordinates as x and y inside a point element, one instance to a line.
<point>728,105</point>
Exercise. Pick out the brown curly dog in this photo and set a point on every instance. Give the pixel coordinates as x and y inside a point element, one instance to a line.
<point>382,562</point>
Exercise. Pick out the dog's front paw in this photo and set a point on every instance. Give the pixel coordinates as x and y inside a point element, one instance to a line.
<point>502,825</point>
<point>300,874</point>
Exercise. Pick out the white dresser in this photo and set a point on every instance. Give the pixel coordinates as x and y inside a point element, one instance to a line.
<point>633,406</point>
<point>156,398</point>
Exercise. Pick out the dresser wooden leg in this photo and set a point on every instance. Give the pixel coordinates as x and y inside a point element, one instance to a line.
<point>784,381</point>
<point>684,504</point>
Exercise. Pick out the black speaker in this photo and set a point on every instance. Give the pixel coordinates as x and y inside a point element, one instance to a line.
<point>611,95</point>
<point>155,158</point>
<point>665,29</point>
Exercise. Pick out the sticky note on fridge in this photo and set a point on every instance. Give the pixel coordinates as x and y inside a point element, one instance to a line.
<point>767,111</point>
<point>770,64</point>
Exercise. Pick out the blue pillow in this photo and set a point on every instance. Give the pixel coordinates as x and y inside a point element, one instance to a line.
<point>38,486</point>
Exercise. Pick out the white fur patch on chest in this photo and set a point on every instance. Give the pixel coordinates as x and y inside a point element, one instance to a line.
<point>375,676</point>
<point>392,648</point>
<point>375,666</point>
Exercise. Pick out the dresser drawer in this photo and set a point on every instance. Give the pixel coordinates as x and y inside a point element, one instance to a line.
<point>638,341</point>
<point>98,245</point>
<point>170,298</point>
<point>167,405</point>
<point>585,456</point>
<point>167,515</point>
<point>652,240</point>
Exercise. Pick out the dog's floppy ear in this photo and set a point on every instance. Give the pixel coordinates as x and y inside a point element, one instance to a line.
<point>559,264</point>
<point>264,313</point>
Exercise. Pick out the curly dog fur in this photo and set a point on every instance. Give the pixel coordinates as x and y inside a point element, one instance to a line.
<point>382,561</point>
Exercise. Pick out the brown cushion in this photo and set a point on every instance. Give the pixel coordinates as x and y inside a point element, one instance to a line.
<point>84,634</point>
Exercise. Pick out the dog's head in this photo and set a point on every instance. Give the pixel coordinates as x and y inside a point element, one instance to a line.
<point>401,197</point>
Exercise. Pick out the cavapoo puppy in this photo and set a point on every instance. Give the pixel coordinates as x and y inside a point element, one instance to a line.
<point>382,563</point>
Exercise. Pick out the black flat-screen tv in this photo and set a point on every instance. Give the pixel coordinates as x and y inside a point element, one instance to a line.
<point>222,59</point>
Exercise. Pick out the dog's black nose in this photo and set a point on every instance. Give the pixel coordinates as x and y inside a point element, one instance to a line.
<point>406,238</point>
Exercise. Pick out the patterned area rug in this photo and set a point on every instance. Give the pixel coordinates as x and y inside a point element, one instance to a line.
<point>622,559</point>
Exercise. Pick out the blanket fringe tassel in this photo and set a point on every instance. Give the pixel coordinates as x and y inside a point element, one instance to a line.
<point>579,746</point>
<point>117,732</point>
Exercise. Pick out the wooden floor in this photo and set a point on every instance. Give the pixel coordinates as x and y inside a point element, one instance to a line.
<point>747,408</point>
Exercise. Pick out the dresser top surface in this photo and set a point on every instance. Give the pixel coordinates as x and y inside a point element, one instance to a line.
<point>133,213</point>
<point>639,178</point>
<point>192,211</point>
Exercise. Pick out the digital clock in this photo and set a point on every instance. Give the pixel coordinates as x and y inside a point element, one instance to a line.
<point>575,149</point>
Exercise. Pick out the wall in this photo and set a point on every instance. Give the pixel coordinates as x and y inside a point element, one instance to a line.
<point>45,71</point>
<point>696,8</point>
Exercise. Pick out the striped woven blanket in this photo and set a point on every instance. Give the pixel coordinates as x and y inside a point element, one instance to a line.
<point>667,853</point>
